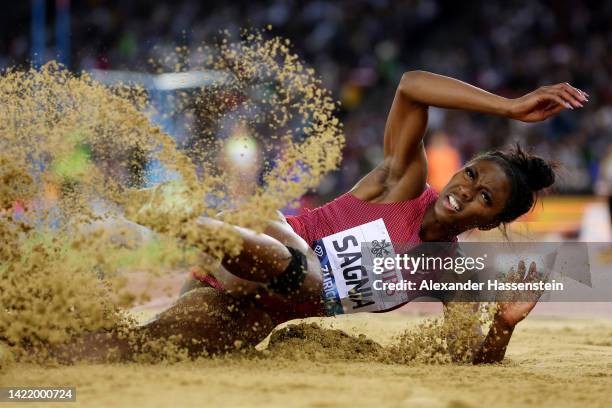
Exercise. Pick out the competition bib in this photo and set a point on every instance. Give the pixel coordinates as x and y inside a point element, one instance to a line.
<point>347,265</point>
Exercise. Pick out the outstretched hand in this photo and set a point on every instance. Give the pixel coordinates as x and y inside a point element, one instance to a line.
<point>512,312</point>
<point>546,101</point>
<point>515,306</point>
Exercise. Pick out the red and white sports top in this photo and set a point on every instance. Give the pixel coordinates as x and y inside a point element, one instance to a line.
<point>403,219</point>
<point>349,235</point>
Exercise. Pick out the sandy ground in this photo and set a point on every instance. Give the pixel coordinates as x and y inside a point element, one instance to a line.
<point>551,362</point>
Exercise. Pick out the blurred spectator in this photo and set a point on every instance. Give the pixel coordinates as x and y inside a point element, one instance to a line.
<point>360,48</point>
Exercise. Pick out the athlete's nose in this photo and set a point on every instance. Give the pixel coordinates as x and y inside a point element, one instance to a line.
<point>465,193</point>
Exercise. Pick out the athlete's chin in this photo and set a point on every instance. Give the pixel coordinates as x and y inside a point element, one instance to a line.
<point>443,214</point>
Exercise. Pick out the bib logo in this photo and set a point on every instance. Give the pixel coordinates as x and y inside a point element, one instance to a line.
<point>380,249</point>
<point>354,273</point>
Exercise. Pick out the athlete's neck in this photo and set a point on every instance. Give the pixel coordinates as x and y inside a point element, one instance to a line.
<point>434,231</point>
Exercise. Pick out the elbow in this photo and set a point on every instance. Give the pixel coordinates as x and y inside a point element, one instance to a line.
<point>410,83</point>
<point>410,77</point>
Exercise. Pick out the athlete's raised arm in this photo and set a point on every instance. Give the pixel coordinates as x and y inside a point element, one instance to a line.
<point>417,90</point>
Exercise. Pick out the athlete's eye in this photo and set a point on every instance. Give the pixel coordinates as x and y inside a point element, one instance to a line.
<point>469,172</point>
<point>486,197</point>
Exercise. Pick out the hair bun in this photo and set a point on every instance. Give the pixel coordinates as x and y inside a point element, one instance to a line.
<point>538,173</point>
<point>527,174</point>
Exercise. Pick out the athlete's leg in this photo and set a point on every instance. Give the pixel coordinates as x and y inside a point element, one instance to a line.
<point>261,257</point>
<point>203,321</point>
<point>211,321</point>
<point>264,257</point>
<point>280,230</point>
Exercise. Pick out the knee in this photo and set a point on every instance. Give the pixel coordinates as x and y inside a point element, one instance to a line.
<point>201,299</point>
<point>190,285</point>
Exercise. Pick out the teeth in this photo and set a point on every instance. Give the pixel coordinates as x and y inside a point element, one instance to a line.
<point>453,202</point>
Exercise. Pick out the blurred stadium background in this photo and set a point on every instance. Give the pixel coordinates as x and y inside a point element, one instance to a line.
<point>360,48</point>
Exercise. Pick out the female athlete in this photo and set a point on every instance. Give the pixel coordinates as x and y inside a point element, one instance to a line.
<point>278,277</point>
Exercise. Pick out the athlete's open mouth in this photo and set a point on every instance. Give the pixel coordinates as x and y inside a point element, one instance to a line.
<point>452,203</point>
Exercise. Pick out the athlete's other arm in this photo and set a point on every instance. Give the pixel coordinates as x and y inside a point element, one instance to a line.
<point>417,90</point>
<point>491,348</point>
<point>507,316</point>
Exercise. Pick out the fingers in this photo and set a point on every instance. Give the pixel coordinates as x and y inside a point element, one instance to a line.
<point>521,269</point>
<point>567,95</point>
<point>575,92</point>
<point>521,275</point>
<point>570,98</point>
<point>514,276</point>
<point>556,96</point>
<point>532,274</point>
<point>510,277</point>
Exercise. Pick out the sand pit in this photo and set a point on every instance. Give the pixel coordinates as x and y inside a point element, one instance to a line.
<point>552,362</point>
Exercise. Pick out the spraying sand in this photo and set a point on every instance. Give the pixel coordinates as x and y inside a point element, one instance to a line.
<point>75,154</point>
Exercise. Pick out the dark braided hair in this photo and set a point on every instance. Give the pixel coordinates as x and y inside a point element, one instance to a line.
<point>527,173</point>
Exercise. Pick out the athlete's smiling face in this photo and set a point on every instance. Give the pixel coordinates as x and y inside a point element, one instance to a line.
<point>474,197</point>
